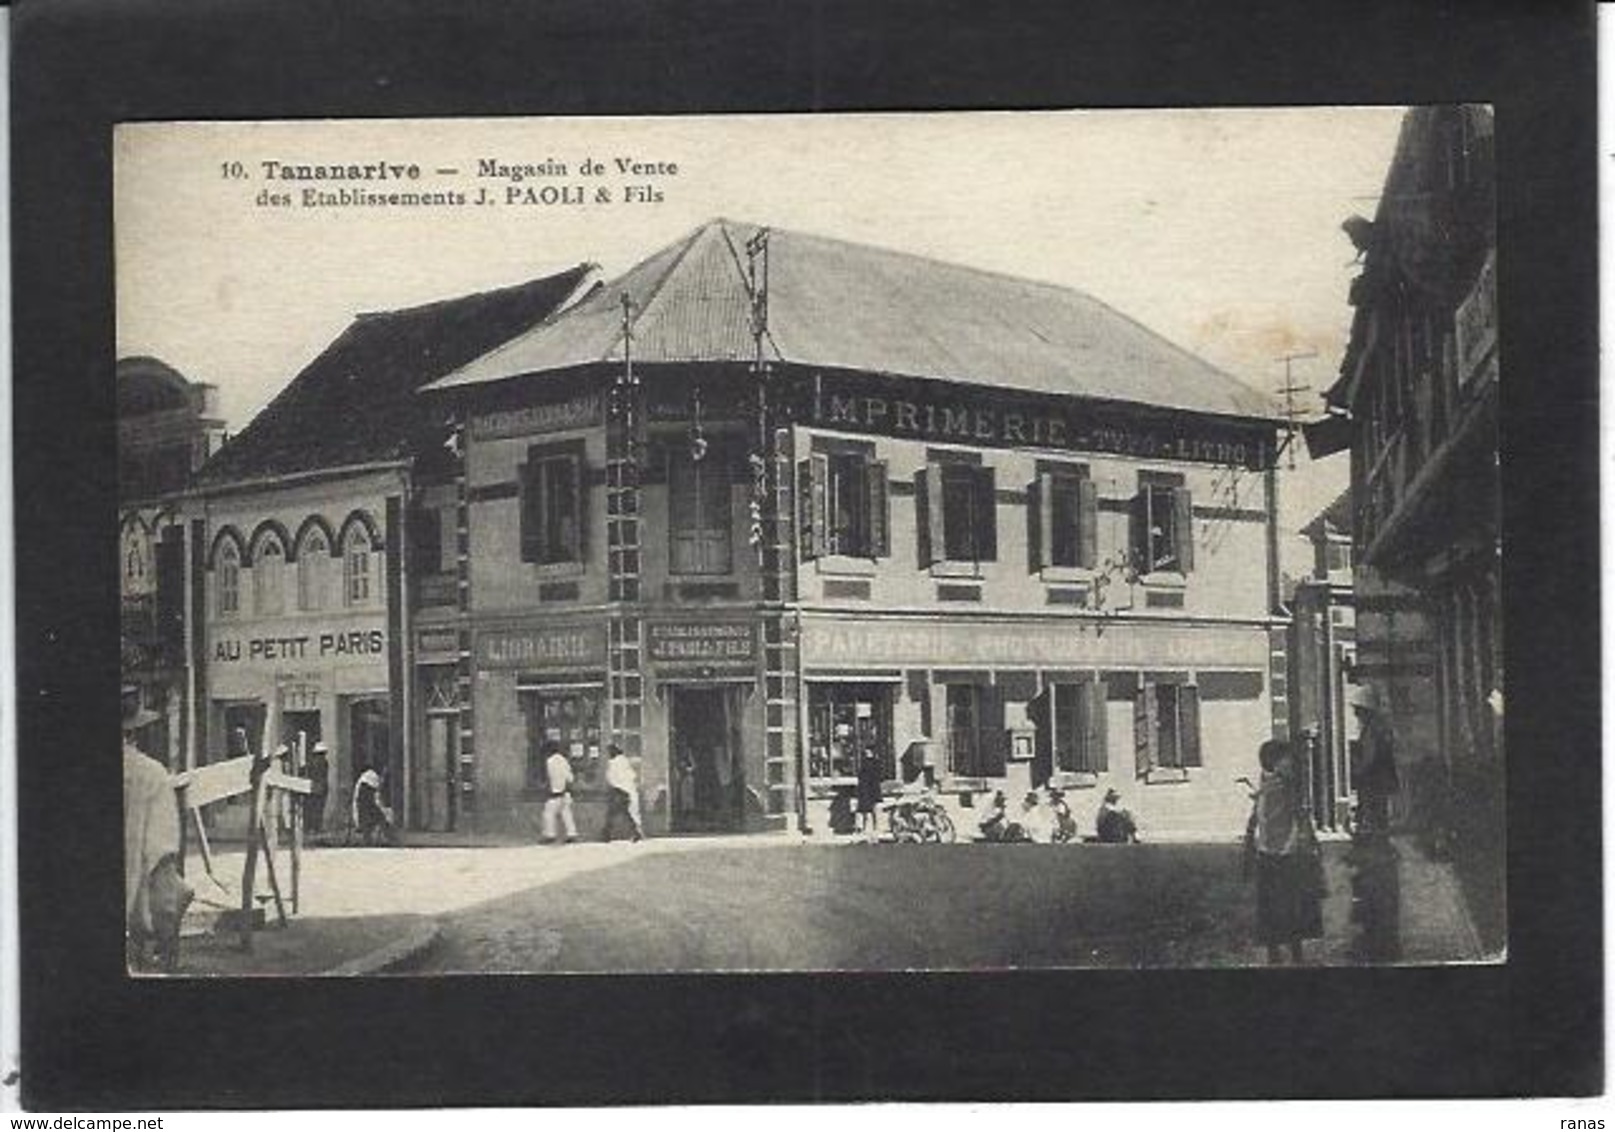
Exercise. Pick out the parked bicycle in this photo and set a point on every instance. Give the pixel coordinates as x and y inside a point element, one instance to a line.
<point>919,820</point>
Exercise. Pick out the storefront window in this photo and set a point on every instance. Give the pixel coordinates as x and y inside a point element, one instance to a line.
<point>1078,712</point>
<point>699,514</point>
<point>843,720</point>
<point>1166,726</point>
<point>976,740</point>
<point>565,717</point>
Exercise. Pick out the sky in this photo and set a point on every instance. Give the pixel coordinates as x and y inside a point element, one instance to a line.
<point>1219,229</point>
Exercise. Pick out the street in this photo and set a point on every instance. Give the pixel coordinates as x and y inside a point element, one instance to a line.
<point>785,906</point>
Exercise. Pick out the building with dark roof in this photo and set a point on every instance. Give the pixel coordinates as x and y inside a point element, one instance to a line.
<point>299,546</point>
<point>1416,403</point>
<point>769,500</point>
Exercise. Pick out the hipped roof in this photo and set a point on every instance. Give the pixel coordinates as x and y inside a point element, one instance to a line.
<point>839,305</point>
<point>354,403</point>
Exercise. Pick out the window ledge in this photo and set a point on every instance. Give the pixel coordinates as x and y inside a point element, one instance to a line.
<point>558,569</point>
<point>1164,580</point>
<point>957,570</point>
<point>1074,780</point>
<point>848,565</point>
<point>1066,575</point>
<point>1163,775</point>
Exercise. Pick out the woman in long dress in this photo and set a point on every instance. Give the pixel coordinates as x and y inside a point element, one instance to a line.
<point>1281,840</point>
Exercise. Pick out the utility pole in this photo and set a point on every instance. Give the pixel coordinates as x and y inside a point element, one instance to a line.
<point>1292,411</point>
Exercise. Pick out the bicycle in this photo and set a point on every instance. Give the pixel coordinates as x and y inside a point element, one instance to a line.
<point>920,821</point>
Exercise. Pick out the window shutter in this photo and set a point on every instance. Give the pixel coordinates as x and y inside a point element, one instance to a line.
<point>813,477</point>
<point>1183,528</point>
<point>1040,521</point>
<point>992,737</point>
<point>532,510</point>
<point>1144,719</point>
<point>1087,523</point>
<point>880,524</point>
<point>1189,724</point>
<point>1140,533</point>
<point>580,504</point>
<point>928,514</point>
<point>1096,741</point>
<point>985,536</point>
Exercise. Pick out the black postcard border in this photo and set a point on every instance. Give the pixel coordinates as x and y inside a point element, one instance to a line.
<point>94,1040</point>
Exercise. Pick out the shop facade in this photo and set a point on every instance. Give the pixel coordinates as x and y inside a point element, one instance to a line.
<point>300,630</point>
<point>682,532</point>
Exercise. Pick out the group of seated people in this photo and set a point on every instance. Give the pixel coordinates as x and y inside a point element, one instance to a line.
<point>1051,822</point>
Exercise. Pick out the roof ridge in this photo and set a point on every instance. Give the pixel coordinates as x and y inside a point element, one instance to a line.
<point>581,268</point>
<point>685,245</point>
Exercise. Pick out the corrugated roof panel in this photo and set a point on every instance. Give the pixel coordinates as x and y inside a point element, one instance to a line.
<point>850,306</point>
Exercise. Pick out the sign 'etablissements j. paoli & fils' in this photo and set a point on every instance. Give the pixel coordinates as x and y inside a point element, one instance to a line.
<point>706,644</point>
<point>919,410</point>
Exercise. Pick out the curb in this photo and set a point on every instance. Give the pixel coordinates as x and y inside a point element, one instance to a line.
<point>411,946</point>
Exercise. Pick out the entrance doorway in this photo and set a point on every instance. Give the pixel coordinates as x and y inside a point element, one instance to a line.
<point>370,745</point>
<point>707,767</point>
<point>442,756</point>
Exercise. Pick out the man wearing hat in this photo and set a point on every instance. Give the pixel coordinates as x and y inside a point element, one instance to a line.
<point>1114,825</point>
<point>1374,772</point>
<point>318,773</point>
<point>622,781</point>
<point>155,895</point>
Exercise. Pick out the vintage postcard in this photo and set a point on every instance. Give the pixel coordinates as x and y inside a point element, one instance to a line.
<point>856,542</point>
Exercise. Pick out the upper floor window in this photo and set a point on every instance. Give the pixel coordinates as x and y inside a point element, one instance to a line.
<point>268,577</point>
<point>845,511</point>
<point>1163,524</point>
<point>699,513</point>
<point>426,540</point>
<point>958,513</point>
<point>552,504</point>
<point>1064,518</point>
<point>227,580</point>
<point>313,566</point>
<point>356,586</point>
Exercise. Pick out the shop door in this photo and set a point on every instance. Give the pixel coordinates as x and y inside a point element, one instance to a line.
<point>437,809</point>
<point>246,716</point>
<point>370,745</point>
<point>707,764</point>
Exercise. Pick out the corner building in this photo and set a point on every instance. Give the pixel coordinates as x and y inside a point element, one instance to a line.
<point>769,498</point>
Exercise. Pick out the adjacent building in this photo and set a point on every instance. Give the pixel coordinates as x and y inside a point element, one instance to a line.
<point>1322,656</point>
<point>167,427</point>
<point>1416,404</point>
<point>769,499</point>
<point>300,542</point>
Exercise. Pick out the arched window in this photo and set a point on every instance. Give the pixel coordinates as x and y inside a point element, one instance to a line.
<point>356,566</point>
<point>313,571</point>
<point>227,580</point>
<point>268,577</point>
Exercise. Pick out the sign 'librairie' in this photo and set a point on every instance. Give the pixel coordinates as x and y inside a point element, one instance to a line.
<point>552,647</point>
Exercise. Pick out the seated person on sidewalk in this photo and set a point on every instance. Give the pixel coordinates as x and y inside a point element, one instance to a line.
<point>371,817</point>
<point>1114,825</point>
<point>996,821</point>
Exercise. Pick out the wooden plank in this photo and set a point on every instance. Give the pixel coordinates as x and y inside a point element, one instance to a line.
<point>280,780</point>
<point>249,873</point>
<point>269,866</point>
<point>215,782</point>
